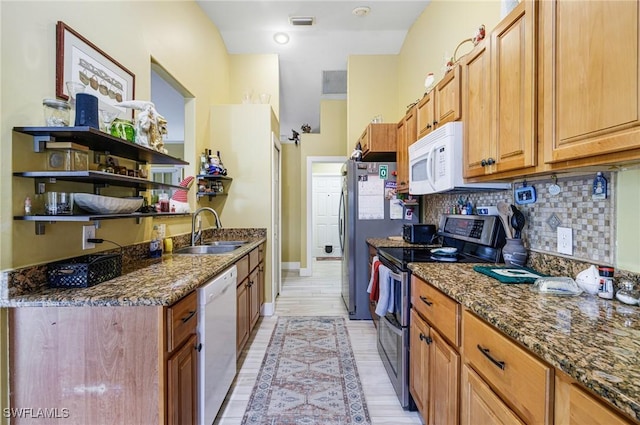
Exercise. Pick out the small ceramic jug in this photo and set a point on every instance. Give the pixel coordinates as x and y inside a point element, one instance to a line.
<point>514,253</point>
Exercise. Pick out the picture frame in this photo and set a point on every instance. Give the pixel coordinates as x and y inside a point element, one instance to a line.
<point>79,60</point>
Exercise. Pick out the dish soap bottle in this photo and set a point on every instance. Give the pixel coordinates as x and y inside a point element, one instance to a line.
<point>155,246</point>
<point>599,187</point>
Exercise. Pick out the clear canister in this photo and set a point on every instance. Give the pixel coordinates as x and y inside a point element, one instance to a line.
<point>56,113</point>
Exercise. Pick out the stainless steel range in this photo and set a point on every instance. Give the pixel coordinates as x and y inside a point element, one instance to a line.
<point>465,239</point>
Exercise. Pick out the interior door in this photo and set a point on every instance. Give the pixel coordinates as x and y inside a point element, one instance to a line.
<point>326,199</point>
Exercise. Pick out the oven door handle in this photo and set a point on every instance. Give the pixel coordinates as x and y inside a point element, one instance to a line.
<point>396,330</point>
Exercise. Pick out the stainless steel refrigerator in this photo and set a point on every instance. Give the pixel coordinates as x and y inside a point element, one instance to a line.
<point>367,204</point>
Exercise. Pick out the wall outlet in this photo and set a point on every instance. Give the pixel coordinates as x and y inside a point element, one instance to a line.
<point>88,232</point>
<point>565,240</point>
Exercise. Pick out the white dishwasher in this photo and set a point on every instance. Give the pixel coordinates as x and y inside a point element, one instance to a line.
<point>217,334</point>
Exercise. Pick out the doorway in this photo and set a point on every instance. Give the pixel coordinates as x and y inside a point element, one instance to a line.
<point>326,197</point>
<point>311,162</point>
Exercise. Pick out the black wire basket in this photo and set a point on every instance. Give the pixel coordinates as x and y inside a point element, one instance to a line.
<point>83,272</point>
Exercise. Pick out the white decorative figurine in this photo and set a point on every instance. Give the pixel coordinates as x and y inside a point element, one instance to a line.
<point>150,125</point>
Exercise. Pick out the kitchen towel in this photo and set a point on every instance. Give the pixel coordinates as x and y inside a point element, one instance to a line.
<point>373,289</point>
<point>385,301</point>
<point>510,274</point>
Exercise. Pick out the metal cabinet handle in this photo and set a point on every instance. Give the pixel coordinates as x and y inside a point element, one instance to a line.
<point>198,347</point>
<point>435,123</point>
<point>491,161</point>
<point>425,300</point>
<point>186,318</point>
<point>483,163</point>
<point>428,125</point>
<point>426,339</point>
<point>487,354</point>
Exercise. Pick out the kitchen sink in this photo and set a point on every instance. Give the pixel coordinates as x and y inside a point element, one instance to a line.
<point>225,243</point>
<point>207,249</point>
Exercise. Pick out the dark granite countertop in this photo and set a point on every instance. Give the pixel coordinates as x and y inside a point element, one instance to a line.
<point>595,341</point>
<point>386,242</point>
<point>156,283</point>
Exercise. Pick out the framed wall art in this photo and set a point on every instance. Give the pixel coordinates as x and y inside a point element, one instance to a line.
<point>80,61</point>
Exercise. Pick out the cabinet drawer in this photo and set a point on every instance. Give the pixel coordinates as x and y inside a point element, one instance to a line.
<point>243,268</point>
<point>182,319</point>
<point>254,259</point>
<point>440,310</point>
<point>518,377</point>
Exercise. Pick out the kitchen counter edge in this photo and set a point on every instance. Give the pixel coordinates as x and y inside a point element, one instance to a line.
<point>159,284</point>
<point>595,341</point>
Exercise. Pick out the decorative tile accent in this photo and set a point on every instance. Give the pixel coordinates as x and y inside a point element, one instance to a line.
<point>593,222</point>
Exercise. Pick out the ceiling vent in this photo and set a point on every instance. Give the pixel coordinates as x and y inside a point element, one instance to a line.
<point>301,21</point>
<point>334,82</point>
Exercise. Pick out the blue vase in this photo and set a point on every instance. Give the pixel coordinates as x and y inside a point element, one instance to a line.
<point>514,253</point>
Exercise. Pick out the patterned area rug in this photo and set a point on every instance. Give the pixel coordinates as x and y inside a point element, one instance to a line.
<point>308,377</point>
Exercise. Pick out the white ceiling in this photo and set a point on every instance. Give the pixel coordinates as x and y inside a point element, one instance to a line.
<point>247,27</point>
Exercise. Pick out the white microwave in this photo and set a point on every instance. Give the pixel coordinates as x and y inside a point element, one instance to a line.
<point>435,163</point>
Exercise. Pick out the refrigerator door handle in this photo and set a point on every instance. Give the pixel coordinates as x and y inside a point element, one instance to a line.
<point>341,221</point>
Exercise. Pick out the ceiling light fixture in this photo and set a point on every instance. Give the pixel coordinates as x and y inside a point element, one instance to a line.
<point>281,38</point>
<point>361,11</point>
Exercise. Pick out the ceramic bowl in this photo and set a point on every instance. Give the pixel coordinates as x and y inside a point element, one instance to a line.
<point>98,204</point>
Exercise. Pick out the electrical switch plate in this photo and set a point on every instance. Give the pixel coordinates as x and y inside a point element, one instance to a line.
<point>565,240</point>
<point>88,232</point>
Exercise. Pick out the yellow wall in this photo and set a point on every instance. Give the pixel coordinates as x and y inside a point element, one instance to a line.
<point>175,34</point>
<point>434,36</point>
<point>372,85</point>
<point>244,134</point>
<point>331,142</point>
<point>291,238</point>
<point>627,223</point>
<point>257,74</point>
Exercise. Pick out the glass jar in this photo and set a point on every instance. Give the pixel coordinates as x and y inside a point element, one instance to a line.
<point>56,113</point>
<point>627,294</point>
<point>123,129</point>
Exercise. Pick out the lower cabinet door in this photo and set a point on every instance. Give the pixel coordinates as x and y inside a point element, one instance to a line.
<point>444,382</point>
<point>242,325</point>
<point>480,405</point>
<point>419,349</point>
<point>182,384</point>
<point>254,298</point>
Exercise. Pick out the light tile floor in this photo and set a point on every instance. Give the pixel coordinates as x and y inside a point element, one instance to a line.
<point>318,295</point>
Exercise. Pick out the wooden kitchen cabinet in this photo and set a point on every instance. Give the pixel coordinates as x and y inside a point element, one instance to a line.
<point>517,377</point>
<point>182,349</point>
<point>407,133</point>
<point>441,105</point>
<point>590,75</point>
<point>499,97</point>
<point>249,294</point>
<point>479,404</point>
<point>120,364</point>
<point>378,142</point>
<point>182,384</point>
<point>576,406</point>
<point>434,377</point>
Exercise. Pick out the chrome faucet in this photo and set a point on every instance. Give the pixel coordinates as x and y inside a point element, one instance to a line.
<point>195,236</point>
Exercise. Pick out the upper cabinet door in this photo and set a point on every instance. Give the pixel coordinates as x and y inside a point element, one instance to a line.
<point>426,114</point>
<point>448,105</point>
<point>590,77</point>
<point>476,104</point>
<point>513,63</point>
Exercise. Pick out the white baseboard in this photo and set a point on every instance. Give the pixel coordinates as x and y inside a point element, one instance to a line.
<point>290,266</point>
<point>306,272</point>
<point>268,309</point>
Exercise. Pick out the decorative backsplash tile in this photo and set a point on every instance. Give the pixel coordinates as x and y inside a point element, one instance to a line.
<point>592,221</point>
